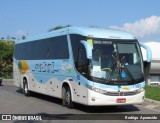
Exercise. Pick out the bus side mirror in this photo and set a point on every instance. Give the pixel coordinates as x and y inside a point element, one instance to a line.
<point>148,51</point>
<point>147,63</point>
<point>88,49</point>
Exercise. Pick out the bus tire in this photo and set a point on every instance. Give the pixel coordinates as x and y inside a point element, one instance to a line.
<point>67,97</point>
<point>63,96</point>
<point>26,92</point>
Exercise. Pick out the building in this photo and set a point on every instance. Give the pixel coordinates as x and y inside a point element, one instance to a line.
<point>154,75</point>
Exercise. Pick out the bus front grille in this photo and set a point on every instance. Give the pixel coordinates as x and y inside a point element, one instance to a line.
<point>121,93</point>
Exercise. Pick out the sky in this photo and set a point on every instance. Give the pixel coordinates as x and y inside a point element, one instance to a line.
<point>33,17</point>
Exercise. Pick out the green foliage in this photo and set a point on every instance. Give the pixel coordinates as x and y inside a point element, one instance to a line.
<point>6,59</point>
<point>58,27</point>
<point>153,92</point>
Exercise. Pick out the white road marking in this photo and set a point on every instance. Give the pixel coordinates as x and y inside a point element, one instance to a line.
<point>151,106</point>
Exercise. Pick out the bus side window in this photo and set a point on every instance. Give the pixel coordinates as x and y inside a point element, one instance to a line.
<point>48,53</point>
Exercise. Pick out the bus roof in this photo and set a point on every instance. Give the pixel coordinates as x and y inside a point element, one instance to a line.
<point>85,31</point>
<point>101,32</point>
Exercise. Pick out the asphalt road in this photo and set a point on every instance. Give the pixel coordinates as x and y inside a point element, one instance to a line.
<point>12,101</point>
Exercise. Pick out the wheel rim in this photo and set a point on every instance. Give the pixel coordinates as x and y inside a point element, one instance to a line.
<point>26,88</point>
<point>68,97</point>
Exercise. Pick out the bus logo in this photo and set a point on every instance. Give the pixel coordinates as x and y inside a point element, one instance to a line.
<point>23,66</point>
<point>121,93</point>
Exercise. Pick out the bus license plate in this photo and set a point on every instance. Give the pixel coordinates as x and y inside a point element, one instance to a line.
<point>121,100</point>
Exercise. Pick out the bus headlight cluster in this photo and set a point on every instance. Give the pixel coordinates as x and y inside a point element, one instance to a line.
<point>99,90</point>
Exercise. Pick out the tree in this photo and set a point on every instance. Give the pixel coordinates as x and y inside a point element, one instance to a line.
<point>58,27</point>
<point>6,54</point>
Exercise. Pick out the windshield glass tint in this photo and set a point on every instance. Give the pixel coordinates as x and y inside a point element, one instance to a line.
<point>116,61</point>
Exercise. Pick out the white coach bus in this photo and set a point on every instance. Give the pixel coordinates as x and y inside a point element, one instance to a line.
<point>91,66</point>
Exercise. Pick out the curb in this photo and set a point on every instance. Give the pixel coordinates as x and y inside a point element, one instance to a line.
<point>152,101</point>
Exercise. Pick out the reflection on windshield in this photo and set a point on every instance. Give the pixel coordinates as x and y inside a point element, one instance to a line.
<point>114,61</point>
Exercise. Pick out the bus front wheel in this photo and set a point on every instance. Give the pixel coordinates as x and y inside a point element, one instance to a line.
<point>67,97</point>
<point>25,88</point>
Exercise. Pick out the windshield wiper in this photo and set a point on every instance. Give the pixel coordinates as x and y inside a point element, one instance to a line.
<point>128,72</point>
<point>121,68</point>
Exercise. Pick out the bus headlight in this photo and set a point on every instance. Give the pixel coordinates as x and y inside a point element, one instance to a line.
<point>96,89</point>
<point>140,90</point>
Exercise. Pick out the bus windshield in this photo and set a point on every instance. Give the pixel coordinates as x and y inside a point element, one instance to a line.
<point>116,61</point>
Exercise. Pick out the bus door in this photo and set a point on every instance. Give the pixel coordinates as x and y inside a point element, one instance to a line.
<point>82,66</point>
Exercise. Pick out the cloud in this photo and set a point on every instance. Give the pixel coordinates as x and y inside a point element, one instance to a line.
<point>143,27</point>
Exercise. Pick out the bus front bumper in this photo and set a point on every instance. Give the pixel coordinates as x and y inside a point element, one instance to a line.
<point>96,99</point>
